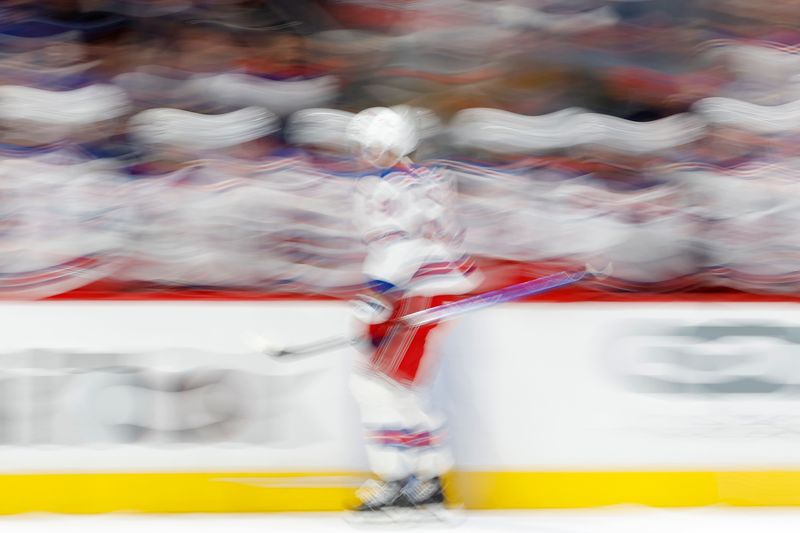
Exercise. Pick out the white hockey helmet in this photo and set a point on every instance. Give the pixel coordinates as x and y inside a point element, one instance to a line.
<point>382,135</point>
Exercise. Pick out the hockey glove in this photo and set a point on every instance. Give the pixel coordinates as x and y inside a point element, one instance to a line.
<point>371,308</point>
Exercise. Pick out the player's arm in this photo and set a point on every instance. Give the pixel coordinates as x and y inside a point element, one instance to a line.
<point>388,224</point>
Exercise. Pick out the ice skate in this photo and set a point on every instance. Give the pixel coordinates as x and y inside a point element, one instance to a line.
<point>423,493</point>
<point>427,502</point>
<point>379,502</point>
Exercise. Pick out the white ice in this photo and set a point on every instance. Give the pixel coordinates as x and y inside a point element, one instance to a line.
<point>609,520</point>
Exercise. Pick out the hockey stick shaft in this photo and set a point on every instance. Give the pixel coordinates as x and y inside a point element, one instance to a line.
<point>451,310</point>
<point>506,294</point>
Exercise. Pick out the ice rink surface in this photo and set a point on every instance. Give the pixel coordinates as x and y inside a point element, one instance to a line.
<point>611,520</point>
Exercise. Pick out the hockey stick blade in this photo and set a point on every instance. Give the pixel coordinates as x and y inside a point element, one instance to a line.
<point>325,345</point>
<point>600,272</point>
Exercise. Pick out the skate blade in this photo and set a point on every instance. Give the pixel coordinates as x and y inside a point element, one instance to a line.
<point>435,515</point>
<point>385,518</point>
<point>439,515</point>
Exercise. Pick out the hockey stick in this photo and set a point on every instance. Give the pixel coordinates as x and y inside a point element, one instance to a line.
<point>451,310</point>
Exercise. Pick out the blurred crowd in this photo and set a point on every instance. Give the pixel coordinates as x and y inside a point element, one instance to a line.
<point>200,143</point>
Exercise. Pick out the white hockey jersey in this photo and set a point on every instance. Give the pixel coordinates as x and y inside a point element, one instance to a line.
<point>406,217</point>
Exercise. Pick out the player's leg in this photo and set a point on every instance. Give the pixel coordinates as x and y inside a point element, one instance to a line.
<point>405,441</point>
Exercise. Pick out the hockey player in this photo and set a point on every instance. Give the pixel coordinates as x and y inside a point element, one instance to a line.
<point>404,213</point>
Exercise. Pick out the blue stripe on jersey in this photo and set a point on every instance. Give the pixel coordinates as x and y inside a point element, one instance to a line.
<point>381,286</point>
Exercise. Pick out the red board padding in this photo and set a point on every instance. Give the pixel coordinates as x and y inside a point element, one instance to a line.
<point>108,291</point>
<point>564,295</point>
<point>498,273</point>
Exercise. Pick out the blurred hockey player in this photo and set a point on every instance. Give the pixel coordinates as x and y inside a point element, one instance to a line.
<point>414,261</point>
